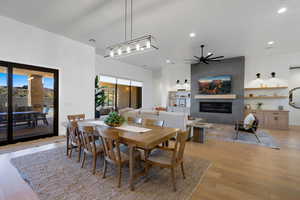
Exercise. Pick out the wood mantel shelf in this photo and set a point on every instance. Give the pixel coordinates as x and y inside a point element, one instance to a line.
<point>216,96</point>
<point>267,88</point>
<point>266,97</point>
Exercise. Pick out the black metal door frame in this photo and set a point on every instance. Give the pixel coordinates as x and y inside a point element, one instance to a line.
<point>10,66</point>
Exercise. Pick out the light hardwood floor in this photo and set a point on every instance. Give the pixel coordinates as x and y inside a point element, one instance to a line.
<point>238,171</point>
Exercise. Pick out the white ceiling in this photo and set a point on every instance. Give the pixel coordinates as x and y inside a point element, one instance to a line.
<point>227,27</point>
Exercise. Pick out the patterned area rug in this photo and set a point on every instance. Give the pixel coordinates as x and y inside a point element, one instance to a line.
<point>227,133</point>
<point>53,176</point>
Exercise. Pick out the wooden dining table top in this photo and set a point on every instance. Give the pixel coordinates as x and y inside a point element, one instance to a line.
<point>146,140</point>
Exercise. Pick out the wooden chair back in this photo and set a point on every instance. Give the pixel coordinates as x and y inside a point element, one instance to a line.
<point>76,117</point>
<point>111,143</point>
<point>178,152</point>
<point>135,120</point>
<point>153,122</point>
<point>88,139</point>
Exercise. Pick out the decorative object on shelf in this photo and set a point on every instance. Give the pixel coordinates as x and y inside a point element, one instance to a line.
<point>258,75</point>
<point>259,105</point>
<point>248,106</point>
<point>280,107</point>
<point>251,95</point>
<point>294,98</point>
<point>145,43</point>
<point>114,119</point>
<point>206,60</point>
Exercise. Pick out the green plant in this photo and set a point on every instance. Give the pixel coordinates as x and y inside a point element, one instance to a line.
<point>114,119</point>
<point>100,96</point>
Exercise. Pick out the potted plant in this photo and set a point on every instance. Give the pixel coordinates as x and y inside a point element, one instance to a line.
<point>114,119</point>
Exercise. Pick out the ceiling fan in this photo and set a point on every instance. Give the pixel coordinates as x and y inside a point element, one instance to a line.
<point>206,60</point>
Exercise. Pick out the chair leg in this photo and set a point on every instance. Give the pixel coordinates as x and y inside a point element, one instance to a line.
<point>257,137</point>
<point>94,162</point>
<point>120,176</point>
<point>104,168</point>
<point>71,150</point>
<point>79,153</point>
<point>237,134</point>
<point>182,170</point>
<point>83,160</point>
<point>173,178</point>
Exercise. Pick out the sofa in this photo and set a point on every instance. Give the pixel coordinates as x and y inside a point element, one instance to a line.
<point>171,119</point>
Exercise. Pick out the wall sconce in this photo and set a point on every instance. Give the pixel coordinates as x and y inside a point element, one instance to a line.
<point>273,74</point>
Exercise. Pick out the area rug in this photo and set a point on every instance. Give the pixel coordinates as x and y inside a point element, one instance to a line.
<point>227,133</point>
<point>53,176</point>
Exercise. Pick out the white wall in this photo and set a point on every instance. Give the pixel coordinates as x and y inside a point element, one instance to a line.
<point>119,69</point>
<point>26,44</point>
<point>166,79</point>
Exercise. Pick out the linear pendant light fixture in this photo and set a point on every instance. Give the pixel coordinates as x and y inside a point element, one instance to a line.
<point>134,45</point>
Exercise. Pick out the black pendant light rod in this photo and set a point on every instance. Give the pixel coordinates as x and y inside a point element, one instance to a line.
<point>125,20</point>
<point>131,17</point>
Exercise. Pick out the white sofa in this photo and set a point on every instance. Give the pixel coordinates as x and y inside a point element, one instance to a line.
<point>171,119</point>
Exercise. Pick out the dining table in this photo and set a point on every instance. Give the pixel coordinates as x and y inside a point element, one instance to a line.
<point>145,137</point>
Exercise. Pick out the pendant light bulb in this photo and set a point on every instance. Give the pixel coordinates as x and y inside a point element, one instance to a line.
<point>112,54</point>
<point>137,47</point>
<point>128,50</point>
<point>148,44</point>
<point>120,51</point>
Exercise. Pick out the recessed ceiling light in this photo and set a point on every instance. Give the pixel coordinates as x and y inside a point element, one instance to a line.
<point>92,40</point>
<point>271,42</point>
<point>192,35</point>
<point>282,10</point>
<point>168,61</point>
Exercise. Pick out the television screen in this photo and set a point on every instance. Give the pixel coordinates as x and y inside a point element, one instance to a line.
<point>215,85</point>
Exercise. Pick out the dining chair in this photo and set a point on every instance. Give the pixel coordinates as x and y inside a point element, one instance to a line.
<point>73,135</point>
<point>91,145</point>
<point>113,153</point>
<point>77,117</point>
<point>74,139</point>
<point>153,122</point>
<point>167,157</point>
<point>135,120</point>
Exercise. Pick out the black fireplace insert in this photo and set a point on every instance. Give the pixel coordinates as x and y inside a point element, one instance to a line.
<point>216,107</point>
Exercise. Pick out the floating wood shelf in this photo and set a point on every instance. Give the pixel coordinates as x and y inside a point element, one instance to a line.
<point>266,97</point>
<point>216,96</point>
<point>267,88</point>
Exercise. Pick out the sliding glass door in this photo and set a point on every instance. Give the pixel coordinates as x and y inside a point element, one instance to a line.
<point>29,102</point>
<point>3,104</point>
<point>120,93</point>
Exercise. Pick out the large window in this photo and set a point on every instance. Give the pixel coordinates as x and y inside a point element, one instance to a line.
<point>121,93</point>
<point>29,102</point>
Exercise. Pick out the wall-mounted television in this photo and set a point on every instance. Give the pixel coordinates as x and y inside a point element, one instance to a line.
<point>215,85</point>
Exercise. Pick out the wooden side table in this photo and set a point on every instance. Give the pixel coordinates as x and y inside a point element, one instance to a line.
<point>198,130</point>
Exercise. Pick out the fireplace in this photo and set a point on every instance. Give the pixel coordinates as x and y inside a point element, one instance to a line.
<point>216,107</point>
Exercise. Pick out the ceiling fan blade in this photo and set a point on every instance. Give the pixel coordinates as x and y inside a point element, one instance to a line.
<point>197,57</point>
<point>205,62</point>
<point>217,57</point>
<point>215,60</point>
<point>209,55</point>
